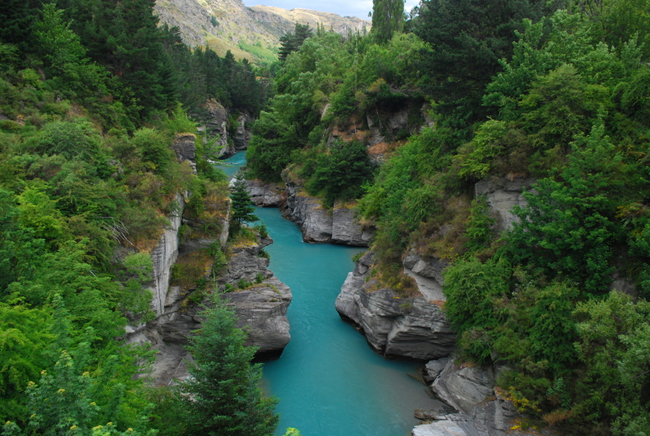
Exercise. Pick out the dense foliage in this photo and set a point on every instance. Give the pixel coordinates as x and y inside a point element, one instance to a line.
<point>93,95</point>
<point>517,90</point>
<point>224,397</point>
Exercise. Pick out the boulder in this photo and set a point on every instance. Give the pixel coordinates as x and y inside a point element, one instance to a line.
<point>502,194</point>
<point>398,327</point>
<point>264,194</point>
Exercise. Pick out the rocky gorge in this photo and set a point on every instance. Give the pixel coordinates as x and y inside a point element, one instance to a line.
<point>410,327</point>
<point>260,305</point>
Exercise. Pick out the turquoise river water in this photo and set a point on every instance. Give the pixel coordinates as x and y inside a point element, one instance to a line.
<point>328,380</point>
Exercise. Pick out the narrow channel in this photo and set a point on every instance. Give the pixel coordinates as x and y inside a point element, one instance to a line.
<point>329,381</point>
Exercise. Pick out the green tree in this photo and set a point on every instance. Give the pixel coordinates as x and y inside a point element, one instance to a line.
<point>223,397</point>
<point>568,227</point>
<point>387,19</point>
<point>291,42</point>
<point>70,398</point>
<point>468,38</point>
<point>341,173</point>
<point>23,338</point>
<point>242,207</point>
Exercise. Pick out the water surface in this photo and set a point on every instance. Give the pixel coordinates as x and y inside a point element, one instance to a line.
<point>329,381</point>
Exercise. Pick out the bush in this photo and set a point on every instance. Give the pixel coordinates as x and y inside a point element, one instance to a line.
<point>340,174</point>
<point>472,289</point>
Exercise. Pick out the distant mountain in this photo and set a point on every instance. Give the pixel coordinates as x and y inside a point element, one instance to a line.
<point>252,33</point>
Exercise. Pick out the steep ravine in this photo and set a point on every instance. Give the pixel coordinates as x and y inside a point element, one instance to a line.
<point>261,307</point>
<point>414,327</point>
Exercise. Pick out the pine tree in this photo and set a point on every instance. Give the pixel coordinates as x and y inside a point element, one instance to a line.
<point>224,395</point>
<point>242,207</point>
<point>292,41</point>
<point>387,19</point>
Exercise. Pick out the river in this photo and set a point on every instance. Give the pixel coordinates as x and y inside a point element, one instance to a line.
<point>329,381</point>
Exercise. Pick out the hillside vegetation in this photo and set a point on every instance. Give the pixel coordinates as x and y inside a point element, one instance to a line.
<point>518,89</point>
<point>92,96</point>
<point>249,33</point>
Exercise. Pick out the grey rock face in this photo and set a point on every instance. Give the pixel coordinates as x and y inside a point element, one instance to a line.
<point>213,126</point>
<point>429,267</point>
<point>163,257</point>
<point>320,225</point>
<point>435,367</point>
<point>261,308</point>
<point>395,327</point>
<point>264,194</point>
<point>502,195</point>
<point>463,388</point>
<point>314,220</point>
<point>346,230</point>
<point>185,148</point>
<point>261,311</point>
<point>243,133</point>
<point>481,410</point>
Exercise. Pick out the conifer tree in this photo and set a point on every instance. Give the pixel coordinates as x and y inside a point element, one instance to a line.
<point>387,18</point>
<point>292,41</point>
<point>224,396</point>
<point>242,207</point>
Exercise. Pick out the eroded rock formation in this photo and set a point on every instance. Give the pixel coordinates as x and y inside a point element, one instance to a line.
<point>265,194</point>
<point>395,326</point>
<point>319,224</point>
<point>480,409</point>
<point>261,308</point>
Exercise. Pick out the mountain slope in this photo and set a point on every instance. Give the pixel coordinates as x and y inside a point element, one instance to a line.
<point>251,33</point>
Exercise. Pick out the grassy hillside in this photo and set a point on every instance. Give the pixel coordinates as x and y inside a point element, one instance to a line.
<point>249,33</point>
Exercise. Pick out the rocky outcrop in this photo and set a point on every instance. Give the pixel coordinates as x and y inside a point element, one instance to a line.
<point>502,194</point>
<point>261,307</point>
<point>318,224</point>
<point>264,194</point>
<point>427,272</point>
<point>425,266</point>
<point>398,327</point>
<point>213,125</point>
<point>346,229</point>
<point>163,257</point>
<point>184,146</point>
<point>480,409</point>
<point>243,132</point>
